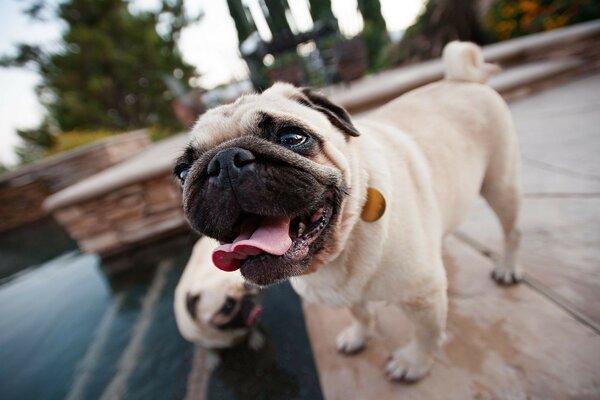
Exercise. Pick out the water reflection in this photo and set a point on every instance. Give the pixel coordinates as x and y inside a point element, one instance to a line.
<point>73,328</point>
<point>31,245</point>
<point>250,374</point>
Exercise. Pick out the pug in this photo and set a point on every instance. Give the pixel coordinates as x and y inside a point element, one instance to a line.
<point>354,211</point>
<point>215,309</point>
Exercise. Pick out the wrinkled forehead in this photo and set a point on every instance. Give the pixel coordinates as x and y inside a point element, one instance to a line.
<point>243,117</point>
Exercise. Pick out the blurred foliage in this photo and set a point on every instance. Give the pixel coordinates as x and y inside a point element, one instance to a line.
<point>374,33</point>
<point>441,21</point>
<point>34,142</point>
<point>70,140</point>
<point>274,12</point>
<point>244,24</point>
<point>320,10</point>
<point>508,19</point>
<point>108,72</point>
<point>285,59</point>
<point>157,132</point>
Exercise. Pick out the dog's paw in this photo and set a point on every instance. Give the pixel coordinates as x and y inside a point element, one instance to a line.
<point>212,359</point>
<point>407,365</point>
<point>256,341</point>
<point>352,339</point>
<point>505,276</point>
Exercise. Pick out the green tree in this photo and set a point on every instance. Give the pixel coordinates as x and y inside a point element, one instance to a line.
<point>374,33</point>
<point>441,22</point>
<point>110,70</point>
<point>34,142</point>
<point>320,10</point>
<point>244,24</point>
<point>274,11</point>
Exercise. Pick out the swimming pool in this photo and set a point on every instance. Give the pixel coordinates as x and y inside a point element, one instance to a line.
<point>71,330</point>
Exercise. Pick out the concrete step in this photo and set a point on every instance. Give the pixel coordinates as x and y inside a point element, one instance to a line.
<point>525,76</point>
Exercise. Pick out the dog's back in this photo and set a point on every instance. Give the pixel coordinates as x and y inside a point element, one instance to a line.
<point>463,128</point>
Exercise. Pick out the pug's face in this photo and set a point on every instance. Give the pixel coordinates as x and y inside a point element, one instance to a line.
<point>266,176</point>
<point>222,313</point>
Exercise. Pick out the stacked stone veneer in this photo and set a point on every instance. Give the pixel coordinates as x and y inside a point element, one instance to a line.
<point>126,216</point>
<point>21,204</point>
<point>23,191</point>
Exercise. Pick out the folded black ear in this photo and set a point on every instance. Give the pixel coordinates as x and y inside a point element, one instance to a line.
<point>337,115</point>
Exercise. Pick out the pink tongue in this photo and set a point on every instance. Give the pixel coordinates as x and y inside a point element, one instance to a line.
<point>272,236</point>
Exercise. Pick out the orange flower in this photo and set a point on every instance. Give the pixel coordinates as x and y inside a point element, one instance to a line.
<point>529,6</point>
<point>526,21</point>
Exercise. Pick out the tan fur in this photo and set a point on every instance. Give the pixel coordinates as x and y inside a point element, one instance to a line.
<point>474,70</point>
<point>200,277</point>
<point>430,152</point>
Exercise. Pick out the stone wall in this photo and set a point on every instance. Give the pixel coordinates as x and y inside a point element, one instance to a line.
<point>125,217</point>
<point>22,204</point>
<point>22,191</point>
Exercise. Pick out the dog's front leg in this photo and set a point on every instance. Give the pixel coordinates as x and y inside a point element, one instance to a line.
<point>256,339</point>
<point>354,337</point>
<point>428,314</point>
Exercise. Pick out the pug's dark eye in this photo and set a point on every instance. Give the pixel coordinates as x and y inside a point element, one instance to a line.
<point>182,172</point>
<point>291,138</point>
<point>228,306</point>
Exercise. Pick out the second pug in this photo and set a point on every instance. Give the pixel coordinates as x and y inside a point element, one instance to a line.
<point>214,309</point>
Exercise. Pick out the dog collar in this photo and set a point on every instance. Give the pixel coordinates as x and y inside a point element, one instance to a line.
<point>374,206</point>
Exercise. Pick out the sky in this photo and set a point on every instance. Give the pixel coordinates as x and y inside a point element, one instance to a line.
<point>210,45</point>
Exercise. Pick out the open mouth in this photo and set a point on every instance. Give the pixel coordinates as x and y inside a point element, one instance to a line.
<point>287,237</point>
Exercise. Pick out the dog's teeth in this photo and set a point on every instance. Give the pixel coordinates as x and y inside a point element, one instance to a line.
<point>301,228</point>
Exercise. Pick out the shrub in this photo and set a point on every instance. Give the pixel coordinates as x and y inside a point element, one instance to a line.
<point>70,140</point>
<point>508,19</point>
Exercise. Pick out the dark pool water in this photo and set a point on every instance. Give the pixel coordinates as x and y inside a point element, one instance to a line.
<point>69,330</point>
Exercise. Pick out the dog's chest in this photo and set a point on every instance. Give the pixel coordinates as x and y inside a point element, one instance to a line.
<point>328,286</point>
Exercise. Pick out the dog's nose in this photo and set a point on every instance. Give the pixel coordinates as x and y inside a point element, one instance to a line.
<point>229,164</point>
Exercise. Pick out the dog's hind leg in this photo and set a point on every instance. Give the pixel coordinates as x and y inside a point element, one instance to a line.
<point>427,312</point>
<point>502,191</point>
<point>354,337</point>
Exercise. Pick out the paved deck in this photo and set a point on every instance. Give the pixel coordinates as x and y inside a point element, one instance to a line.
<point>540,339</point>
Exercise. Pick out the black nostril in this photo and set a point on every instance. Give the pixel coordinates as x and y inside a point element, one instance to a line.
<point>229,164</point>
<point>242,158</point>
<point>214,167</point>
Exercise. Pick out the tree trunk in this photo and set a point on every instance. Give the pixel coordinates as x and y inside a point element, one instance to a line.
<point>374,32</point>
<point>243,22</point>
<point>320,10</point>
<point>441,22</point>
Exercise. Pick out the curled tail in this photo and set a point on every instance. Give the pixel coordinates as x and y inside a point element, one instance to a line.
<point>463,61</point>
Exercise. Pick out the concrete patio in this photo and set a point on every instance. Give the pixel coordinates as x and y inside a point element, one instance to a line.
<point>540,339</point>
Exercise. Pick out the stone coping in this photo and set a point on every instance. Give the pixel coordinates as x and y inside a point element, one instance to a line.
<point>531,72</point>
<point>61,157</point>
<point>156,160</point>
<point>387,85</point>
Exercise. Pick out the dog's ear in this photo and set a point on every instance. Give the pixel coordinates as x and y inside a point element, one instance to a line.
<point>337,115</point>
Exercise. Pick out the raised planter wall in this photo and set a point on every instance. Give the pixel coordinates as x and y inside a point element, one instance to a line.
<point>23,191</point>
<point>124,217</point>
<point>124,206</point>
